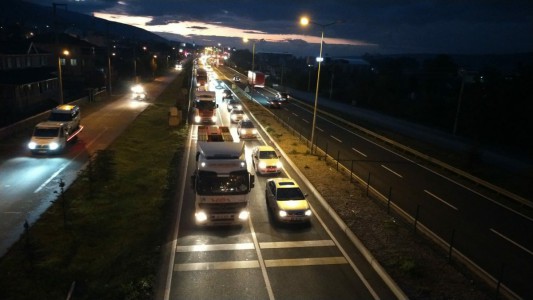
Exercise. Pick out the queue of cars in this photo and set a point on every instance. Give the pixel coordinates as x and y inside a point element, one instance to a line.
<point>285,200</point>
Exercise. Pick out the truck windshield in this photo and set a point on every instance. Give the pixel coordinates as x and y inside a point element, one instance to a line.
<point>205,104</point>
<point>46,132</point>
<point>210,183</point>
<point>59,117</point>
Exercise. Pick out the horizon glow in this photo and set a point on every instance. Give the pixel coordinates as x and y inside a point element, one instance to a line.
<point>191,28</point>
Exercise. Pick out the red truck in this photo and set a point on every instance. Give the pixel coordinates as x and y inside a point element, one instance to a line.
<point>205,107</point>
<point>256,78</point>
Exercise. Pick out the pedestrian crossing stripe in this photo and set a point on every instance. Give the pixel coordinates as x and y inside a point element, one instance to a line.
<point>253,264</point>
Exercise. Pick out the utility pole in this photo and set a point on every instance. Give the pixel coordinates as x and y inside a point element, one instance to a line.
<point>58,51</point>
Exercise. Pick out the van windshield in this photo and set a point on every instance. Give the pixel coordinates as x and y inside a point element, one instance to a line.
<point>46,132</point>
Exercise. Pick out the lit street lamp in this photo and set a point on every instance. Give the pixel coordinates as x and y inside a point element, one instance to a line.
<point>253,51</point>
<point>305,21</point>
<point>60,73</point>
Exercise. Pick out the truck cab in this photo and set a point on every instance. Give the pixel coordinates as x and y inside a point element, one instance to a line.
<point>205,107</point>
<point>221,181</point>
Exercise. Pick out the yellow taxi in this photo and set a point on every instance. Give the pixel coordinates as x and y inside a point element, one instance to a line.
<point>287,201</point>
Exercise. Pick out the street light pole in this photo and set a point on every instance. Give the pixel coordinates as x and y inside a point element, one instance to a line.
<point>316,91</point>
<point>305,21</point>
<point>253,56</point>
<point>60,73</point>
<point>253,52</point>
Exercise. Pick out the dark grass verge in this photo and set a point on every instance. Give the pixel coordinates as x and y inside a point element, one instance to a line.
<point>109,242</point>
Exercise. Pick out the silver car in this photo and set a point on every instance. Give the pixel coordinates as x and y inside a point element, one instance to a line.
<point>236,115</point>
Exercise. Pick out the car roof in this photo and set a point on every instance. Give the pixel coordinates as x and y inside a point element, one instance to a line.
<point>65,108</point>
<point>265,148</point>
<point>284,182</point>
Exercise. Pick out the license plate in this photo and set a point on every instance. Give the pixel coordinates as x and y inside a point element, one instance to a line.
<point>223,217</point>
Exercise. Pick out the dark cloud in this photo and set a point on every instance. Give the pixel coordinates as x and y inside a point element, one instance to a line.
<point>445,26</point>
<point>197,27</point>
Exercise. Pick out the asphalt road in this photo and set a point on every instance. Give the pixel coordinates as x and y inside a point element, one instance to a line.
<point>264,260</point>
<point>493,234</point>
<point>29,183</point>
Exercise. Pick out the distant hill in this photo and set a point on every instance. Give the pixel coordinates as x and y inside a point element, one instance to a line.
<point>29,15</point>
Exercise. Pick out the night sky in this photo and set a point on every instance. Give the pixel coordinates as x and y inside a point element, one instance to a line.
<point>368,26</point>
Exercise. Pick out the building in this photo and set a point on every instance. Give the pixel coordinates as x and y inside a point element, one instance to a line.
<point>28,80</point>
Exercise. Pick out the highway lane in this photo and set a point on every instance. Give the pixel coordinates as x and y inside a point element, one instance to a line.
<point>29,183</point>
<point>495,236</point>
<point>261,260</point>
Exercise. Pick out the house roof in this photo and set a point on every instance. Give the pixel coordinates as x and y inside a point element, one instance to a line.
<point>20,47</point>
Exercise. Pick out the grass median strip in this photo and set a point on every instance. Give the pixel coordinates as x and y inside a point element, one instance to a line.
<point>104,232</point>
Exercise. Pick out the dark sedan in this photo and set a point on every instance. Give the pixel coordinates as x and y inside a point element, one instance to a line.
<point>274,103</point>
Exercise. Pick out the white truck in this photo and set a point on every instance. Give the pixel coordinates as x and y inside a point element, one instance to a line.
<point>221,180</point>
<point>53,135</point>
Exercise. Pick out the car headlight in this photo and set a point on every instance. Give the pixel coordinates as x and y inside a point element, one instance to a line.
<point>282,213</point>
<point>197,119</point>
<point>279,165</point>
<point>308,212</point>
<point>201,216</point>
<point>53,146</point>
<point>239,106</point>
<point>243,215</point>
<point>262,165</point>
<point>234,117</point>
<point>214,119</point>
<point>254,131</point>
<point>32,145</point>
<point>230,106</point>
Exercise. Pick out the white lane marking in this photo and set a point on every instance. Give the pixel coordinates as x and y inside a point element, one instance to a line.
<point>319,129</point>
<point>338,140</point>
<point>347,258</point>
<point>223,265</point>
<point>512,242</point>
<point>66,164</point>
<point>390,170</point>
<point>297,244</point>
<point>428,169</point>
<point>50,178</point>
<point>438,198</point>
<point>359,152</point>
<point>305,121</point>
<point>312,261</point>
<point>296,115</point>
<point>218,247</point>
<point>261,261</point>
